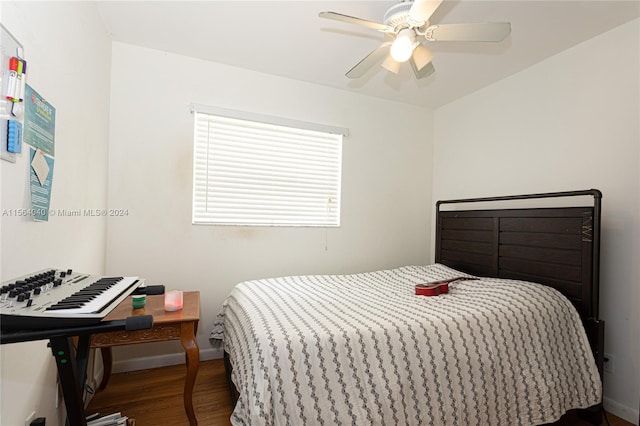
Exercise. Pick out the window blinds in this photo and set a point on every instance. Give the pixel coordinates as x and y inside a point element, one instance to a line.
<point>252,172</point>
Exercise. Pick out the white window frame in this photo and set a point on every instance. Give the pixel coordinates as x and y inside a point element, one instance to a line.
<point>257,170</point>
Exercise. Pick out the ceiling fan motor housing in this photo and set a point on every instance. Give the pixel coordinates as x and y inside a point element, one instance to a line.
<point>398,15</point>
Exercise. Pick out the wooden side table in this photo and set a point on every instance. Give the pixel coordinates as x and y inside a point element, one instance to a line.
<point>180,325</point>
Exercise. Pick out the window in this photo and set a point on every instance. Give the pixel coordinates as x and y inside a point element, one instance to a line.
<point>256,170</point>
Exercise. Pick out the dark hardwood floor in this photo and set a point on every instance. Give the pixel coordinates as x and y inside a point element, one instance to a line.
<point>155,398</point>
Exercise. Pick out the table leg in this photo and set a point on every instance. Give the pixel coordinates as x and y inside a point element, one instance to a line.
<point>107,362</point>
<point>192,357</point>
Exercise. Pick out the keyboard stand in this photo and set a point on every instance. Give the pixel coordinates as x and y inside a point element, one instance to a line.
<point>72,363</point>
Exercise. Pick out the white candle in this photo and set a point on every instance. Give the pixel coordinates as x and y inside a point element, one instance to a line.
<point>173,300</point>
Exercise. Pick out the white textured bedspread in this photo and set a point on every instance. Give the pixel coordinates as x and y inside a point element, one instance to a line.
<point>363,349</point>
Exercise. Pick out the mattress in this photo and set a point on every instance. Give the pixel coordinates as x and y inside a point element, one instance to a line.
<point>363,349</point>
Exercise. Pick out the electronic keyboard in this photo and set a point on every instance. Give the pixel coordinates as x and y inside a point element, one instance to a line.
<point>54,298</point>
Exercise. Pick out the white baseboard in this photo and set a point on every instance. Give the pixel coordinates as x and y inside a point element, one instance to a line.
<point>146,363</point>
<point>622,411</point>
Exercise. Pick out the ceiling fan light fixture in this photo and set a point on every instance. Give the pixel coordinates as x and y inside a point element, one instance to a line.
<point>403,45</point>
<point>421,56</point>
<point>391,64</point>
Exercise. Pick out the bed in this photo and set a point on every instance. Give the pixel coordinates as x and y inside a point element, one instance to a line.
<point>519,345</point>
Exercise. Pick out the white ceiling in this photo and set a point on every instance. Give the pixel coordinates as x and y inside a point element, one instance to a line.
<point>287,38</point>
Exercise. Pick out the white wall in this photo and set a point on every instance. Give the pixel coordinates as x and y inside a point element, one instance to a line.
<point>571,122</point>
<point>386,199</point>
<point>568,123</point>
<point>72,73</point>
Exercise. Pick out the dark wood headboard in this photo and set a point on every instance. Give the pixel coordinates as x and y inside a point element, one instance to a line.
<point>555,246</point>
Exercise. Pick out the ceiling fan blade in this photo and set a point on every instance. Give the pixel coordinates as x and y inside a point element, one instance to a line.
<point>496,31</point>
<point>391,64</point>
<point>352,20</point>
<point>421,56</point>
<point>369,61</point>
<point>424,72</point>
<point>421,10</point>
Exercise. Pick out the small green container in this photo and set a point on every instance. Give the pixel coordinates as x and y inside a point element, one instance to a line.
<point>139,301</point>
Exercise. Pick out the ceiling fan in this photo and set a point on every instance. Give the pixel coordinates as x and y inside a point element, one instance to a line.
<point>405,22</point>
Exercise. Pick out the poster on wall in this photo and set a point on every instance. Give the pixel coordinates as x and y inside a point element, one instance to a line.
<point>39,122</point>
<point>40,183</point>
